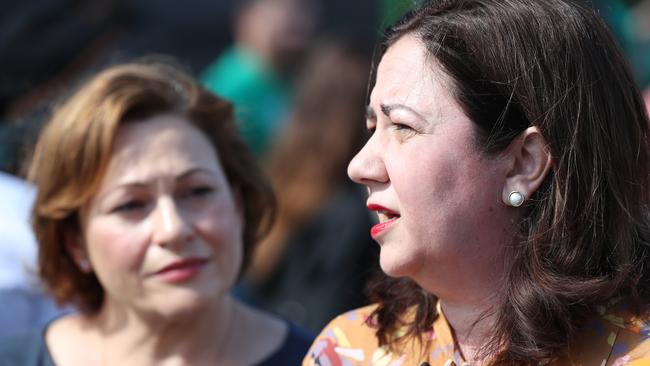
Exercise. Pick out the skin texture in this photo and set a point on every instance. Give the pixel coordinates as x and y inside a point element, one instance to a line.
<point>164,198</point>
<point>422,163</point>
<point>448,226</point>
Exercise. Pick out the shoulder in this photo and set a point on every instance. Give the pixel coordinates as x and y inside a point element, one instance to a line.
<point>349,337</point>
<point>616,337</point>
<point>27,349</point>
<point>631,337</point>
<point>293,348</point>
<point>354,323</point>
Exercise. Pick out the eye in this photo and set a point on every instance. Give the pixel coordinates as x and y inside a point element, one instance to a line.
<point>196,192</point>
<point>403,131</point>
<point>129,206</point>
<point>201,191</point>
<point>402,127</point>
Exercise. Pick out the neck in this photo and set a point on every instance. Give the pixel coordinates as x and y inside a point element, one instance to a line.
<point>472,325</point>
<point>153,339</point>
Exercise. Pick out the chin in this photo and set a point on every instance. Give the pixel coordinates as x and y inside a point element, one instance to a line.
<point>396,266</point>
<point>184,302</point>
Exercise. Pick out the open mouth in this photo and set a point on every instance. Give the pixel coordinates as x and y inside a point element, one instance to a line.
<point>387,218</point>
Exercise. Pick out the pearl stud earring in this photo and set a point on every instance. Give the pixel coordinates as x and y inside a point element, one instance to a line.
<point>84,265</point>
<point>515,199</point>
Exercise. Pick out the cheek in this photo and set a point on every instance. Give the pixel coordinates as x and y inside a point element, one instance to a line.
<point>425,186</point>
<point>112,246</point>
<point>446,194</point>
<point>221,228</point>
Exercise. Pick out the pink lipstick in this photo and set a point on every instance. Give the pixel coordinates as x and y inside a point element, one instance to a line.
<point>382,211</point>
<point>181,271</point>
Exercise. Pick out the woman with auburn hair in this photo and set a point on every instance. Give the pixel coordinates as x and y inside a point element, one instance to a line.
<point>148,206</point>
<point>508,167</point>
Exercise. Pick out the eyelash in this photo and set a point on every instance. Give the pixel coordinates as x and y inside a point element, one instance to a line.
<point>397,126</point>
<point>404,128</point>
<point>201,191</point>
<point>138,204</point>
<point>129,206</point>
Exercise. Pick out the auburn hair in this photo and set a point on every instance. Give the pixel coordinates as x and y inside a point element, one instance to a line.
<point>75,146</point>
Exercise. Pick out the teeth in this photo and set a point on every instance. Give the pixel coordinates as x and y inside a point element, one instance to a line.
<point>385,216</point>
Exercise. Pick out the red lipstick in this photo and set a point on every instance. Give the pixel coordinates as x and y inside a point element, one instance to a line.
<point>390,214</point>
<point>181,271</point>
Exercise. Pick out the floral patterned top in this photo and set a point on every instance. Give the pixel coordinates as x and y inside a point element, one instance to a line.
<point>615,338</point>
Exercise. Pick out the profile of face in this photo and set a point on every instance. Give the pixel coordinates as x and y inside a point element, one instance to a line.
<point>438,199</point>
<point>163,233</point>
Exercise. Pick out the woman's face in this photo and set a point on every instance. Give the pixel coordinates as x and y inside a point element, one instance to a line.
<point>437,198</point>
<point>164,232</point>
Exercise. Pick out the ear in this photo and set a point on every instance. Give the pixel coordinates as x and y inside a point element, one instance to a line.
<point>76,247</point>
<point>530,161</point>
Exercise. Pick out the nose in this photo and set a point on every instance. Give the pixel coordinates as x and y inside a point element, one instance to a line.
<point>170,228</point>
<point>367,167</point>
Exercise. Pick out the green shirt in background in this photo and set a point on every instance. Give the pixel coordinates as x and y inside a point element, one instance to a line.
<point>260,96</point>
<point>393,10</point>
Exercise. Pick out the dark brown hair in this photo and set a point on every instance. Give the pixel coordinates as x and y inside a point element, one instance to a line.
<point>75,147</point>
<point>583,237</point>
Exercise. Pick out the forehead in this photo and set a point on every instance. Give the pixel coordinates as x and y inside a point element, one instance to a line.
<point>410,75</point>
<point>163,144</point>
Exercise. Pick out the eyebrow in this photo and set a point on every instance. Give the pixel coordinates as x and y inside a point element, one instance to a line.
<point>143,184</point>
<point>386,109</point>
<point>192,172</point>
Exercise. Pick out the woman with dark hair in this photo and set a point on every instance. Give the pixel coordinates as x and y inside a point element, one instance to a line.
<point>148,206</point>
<point>508,166</point>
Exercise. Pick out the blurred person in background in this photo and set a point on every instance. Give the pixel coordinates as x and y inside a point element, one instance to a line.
<point>148,206</point>
<point>24,306</point>
<point>45,46</point>
<point>630,22</point>
<point>318,257</point>
<point>48,45</point>
<point>270,40</point>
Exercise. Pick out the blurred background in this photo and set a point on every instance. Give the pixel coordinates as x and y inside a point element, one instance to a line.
<point>296,71</point>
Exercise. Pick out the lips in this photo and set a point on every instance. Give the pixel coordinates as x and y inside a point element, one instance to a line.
<point>182,270</point>
<point>387,218</point>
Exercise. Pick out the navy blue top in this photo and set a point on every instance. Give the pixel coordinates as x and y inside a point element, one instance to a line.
<point>30,349</point>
